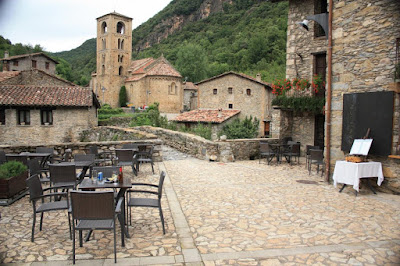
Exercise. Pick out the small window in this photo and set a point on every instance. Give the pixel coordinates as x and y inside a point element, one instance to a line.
<point>122,44</point>
<point>172,88</point>
<point>103,41</point>
<point>47,65</point>
<point>120,71</point>
<point>119,43</point>
<point>46,116</point>
<point>23,117</point>
<point>104,27</point>
<point>215,91</point>
<point>230,90</point>
<point>248,92</point>
<point>230,106</point>
<point>103,69</point>
<point>34,63</point>
<point>15,63</point>
<point>120,27</point>
<point>2,116</point>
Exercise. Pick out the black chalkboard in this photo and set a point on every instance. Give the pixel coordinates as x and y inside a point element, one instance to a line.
<point>372,110</point>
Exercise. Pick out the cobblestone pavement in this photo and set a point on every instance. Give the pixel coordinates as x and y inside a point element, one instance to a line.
<point>241,213</point>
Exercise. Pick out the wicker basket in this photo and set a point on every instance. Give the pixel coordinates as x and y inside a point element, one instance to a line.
<point>355,159</point>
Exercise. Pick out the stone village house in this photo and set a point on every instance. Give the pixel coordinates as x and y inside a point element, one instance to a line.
<point>234,91</point>
<point>146,80</point>
<point>39,61</point>
<point>359,77</point>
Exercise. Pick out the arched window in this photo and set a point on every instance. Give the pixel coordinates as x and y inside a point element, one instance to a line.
<point>103,58</point>
<point>120,70</point>
<point>172,88</point>
<point>120,27</point>
<point>104,27</point>
<point>103,41</point>
<point>121,58</point>
<point>122,44</point>
<point>103,69</point>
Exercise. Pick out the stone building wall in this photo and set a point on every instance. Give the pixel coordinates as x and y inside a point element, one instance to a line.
<point>258,104</point>
<point>25,63</point>
<point>34,77</point>
<point>68,123</point>
<point>168,92</point>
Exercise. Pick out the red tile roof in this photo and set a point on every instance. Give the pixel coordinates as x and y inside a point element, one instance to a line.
<point>189,86</point>
<point>206,116</point>
<point>21,95</point>
<point>237,74</point>
<point>8,74</point>
<point>151,67</point>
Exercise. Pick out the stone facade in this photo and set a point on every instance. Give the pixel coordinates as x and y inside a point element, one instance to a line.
<point>36,77</point>
<point>363,58</point>
<point>68,123</point>
<point>239,92</point>
<point>29,61</point>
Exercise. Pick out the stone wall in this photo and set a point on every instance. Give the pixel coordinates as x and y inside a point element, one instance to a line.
<point>258,104</point>
<point>37,78</point>
<point>25,63</point>
<point>224,151</point>
<point>68,123</point>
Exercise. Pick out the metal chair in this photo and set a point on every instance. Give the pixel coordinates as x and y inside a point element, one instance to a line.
<point>63,175</point>
<point>308,148</point>
<point>317,158</point>
<point>292,151</point>
<point>93,210</point>
<point>85,158</point>
<point>147,202</point>
<point>36,193</point>
<point>3,157</point>
<point>35,169</point>
<point>267,152</point>
<point>127,158</point>
<point>100,157</point>
<point>145,155</point>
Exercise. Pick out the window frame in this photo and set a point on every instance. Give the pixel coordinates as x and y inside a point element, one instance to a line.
<point>230,90</point>
<point>2,116</point>
<point>248,92</point>
<point>230,105</point>
<point>34,63</point>
<point>46,116</point>
<point>24,113</point>
<point>215,91</point>
<point>47,65</point>
<point>15,63</point>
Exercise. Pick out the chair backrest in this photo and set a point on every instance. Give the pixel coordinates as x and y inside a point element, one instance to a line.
<point>67,156</point>
<point>3,158</point>
<point>62,173</point>
<point>18,158</point>
<point>94,150</point>
<point>129,146</point>
<point>264,147</point>
<point>84,157</point>
<point>92,205</point>
<point>106,170</point>
<point>160,184</point>
<point>34,166</point>
<point>296,148</point>
<point>34,186</point>
<point>310,147</point>
<point>124,155</point>
<point>316,155</point>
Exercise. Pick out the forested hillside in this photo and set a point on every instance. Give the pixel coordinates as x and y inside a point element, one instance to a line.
<point>213,36</point>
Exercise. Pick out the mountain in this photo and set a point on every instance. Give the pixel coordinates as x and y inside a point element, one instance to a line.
<point>202,38</point>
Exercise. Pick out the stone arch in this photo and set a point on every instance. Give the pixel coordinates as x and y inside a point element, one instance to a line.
<point>120,71</point>
<point>104,27</point>
<point>120,27</point>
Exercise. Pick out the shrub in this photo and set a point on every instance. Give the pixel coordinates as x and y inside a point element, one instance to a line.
<point>300,104</point>
<point>122,97</point>
<point>12,168</point>
<point>241,129</point>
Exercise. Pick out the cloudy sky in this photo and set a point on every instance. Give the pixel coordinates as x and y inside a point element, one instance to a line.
<point>60,25</point>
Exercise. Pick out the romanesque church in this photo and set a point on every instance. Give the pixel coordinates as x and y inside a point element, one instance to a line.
<point>146,80</point>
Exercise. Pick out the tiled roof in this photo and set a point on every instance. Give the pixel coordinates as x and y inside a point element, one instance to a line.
<point>151,67</point>
<point>28,55</point>
<point>8,74</point>
<point>21,95</point>
<point>237,74</point>
<point>115,14</point>
<point>189,86</point>
<point>207,116</point>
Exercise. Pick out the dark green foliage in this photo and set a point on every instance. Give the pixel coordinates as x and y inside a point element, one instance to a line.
<point>241,129</point>
<point>192,62</point>
<point>300,104</point>
<point>105,112</point>
<point>12,168</point>
<point>150,117</point>
<point>122,97</point>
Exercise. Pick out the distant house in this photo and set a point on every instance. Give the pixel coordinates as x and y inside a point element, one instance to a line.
<point>215,118</point>
<point>39,61</point>
<point>234,91</point>
<point>190,98</point>
<point>40,115</point>
<point>32,77</point>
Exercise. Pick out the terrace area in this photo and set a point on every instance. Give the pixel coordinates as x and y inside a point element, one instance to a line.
<point>240,213</point>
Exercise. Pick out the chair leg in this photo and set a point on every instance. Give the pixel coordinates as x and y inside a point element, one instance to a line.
<point>73,245</point>
<point>80,238</point>
<point>69,226</point>
<point>152,167</point>
<point>162,219</point>
<point>41,221</point>
<point>115,244</point>
<point>33,227</point>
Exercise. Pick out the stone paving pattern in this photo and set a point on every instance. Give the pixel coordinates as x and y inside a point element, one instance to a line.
<point>241,213</point>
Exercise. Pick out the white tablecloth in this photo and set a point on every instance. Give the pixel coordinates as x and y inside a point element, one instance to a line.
<point>350,173</point>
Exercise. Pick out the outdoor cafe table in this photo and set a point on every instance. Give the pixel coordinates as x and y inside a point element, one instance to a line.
<point>88,184</point>
<point>349,173</point>
<point>279,148</point>
<point>85,165</point>
<point>44,156</point>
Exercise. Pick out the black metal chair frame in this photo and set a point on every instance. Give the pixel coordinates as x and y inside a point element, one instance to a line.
<point>127,158</point>
<point>316,157</point>
<point>100,157</point>
<point>267,152</point>
<point>147,202</point>
<point>293,150</point>
<point>94,210</point>
<point>145,155</point>
<point>36,193</point>
<point>308,148</point>
<point>35,169</point>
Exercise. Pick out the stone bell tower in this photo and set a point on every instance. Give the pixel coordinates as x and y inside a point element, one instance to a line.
<point>114,52</point>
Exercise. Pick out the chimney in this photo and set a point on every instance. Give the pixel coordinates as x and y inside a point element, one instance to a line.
<point>219,113</point>
<point>6,54</point>
<point>258,77</point>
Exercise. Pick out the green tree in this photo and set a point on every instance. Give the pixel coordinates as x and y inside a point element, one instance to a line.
<point>192,62</point>
<point>122,97</point>
<point>241,129</point>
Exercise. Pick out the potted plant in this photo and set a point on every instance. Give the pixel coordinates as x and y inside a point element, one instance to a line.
<point>13,177</point>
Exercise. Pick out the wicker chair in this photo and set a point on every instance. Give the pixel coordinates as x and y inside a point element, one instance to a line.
<point>85,158</point>
<point>36,193</point>
<point>317,158</point>
<point>267,152</point>
<point>127,158</point>
<point>101,158</point>
<point>93,210</point>
<point>147,202</point>
<point>35,169</point>
<point>308,148</point>
<point>63,175</point>
<point>292,151</point>
<point>145,155</point>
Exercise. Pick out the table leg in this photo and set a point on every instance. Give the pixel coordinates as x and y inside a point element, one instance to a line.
<point>370,186</point>
<point>344,185</point>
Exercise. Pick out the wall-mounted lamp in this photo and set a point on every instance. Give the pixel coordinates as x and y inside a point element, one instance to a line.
<point>304,24</point>
<point>321,19</point>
